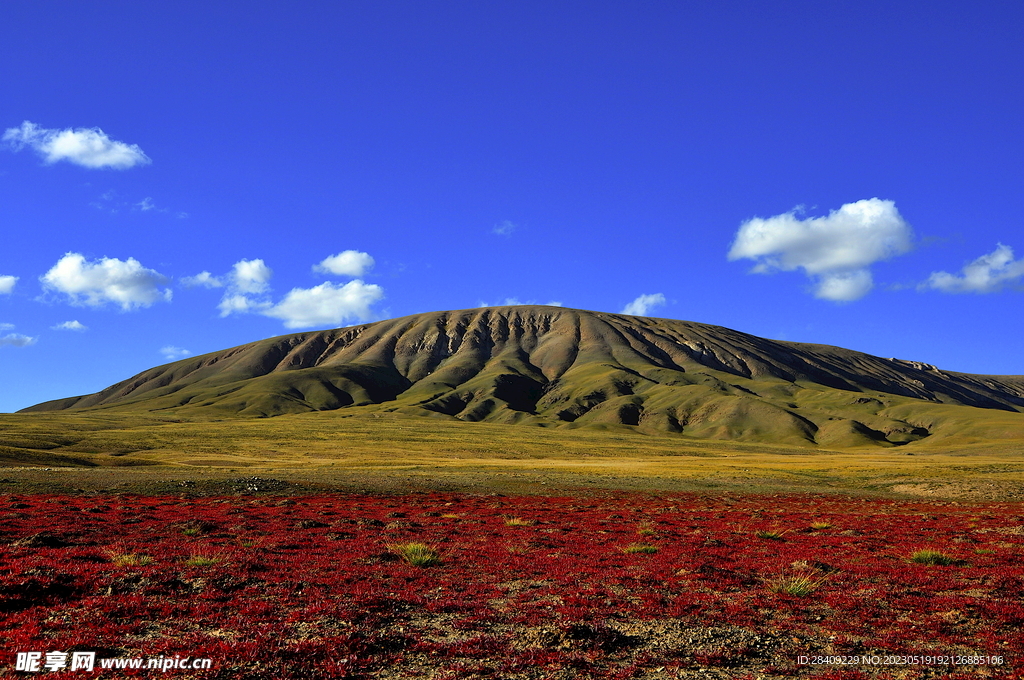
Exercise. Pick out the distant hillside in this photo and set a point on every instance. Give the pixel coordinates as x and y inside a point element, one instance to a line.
<point>550,366</point>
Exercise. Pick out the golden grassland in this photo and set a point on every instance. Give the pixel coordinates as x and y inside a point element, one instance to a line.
<point>350,449</point>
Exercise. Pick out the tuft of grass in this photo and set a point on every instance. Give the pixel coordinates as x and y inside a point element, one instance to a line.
<point>932,557</point>
<point>203,560</point>
<point>799,585</point>
<point>196,527</point>
<point>518,522</point>
<point>645,529</point>
<point>449,515</point>
<point>640,548</point>
<point>984,551</point>
<point>818,526</point>
<point>129,559</point>
<point>416,554</point>
<point>771,534</point>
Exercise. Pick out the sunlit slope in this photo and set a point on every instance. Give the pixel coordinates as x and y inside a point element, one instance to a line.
<point>551,366</point>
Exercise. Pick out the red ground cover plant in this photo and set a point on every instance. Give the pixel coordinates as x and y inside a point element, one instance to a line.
<point>530,587</point>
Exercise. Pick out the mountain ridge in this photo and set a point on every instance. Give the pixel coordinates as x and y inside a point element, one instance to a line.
<point>554,366</point>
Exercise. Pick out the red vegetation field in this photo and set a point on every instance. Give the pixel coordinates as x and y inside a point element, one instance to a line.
<point>531,587</point>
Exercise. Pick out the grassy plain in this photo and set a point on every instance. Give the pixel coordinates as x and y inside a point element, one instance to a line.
<point>369,451</point>
<point>568,575</point>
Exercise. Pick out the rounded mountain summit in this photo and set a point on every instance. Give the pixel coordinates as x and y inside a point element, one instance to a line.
<point>557,367</point>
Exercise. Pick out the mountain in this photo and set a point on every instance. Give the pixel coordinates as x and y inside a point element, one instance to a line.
<point>551,366</point>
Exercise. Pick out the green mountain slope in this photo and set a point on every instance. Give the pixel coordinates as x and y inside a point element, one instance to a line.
<point>550,366</point>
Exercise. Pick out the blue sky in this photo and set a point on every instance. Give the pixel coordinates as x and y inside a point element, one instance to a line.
<point>185,177</point>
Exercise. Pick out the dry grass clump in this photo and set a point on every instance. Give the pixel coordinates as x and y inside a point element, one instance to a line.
<point>200,560</point>
<point>640,548</point>
<point>771,534</point>
<point>645,529</point>
<point>518,522</point>
<point>799,584</point>
<point>805,578</point>
<point>416,554</point>
<point>129,559</point>
<point>196,527</point>
<point>933,557</point>
<point>818,526</point>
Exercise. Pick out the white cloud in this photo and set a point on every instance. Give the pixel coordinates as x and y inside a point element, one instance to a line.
<point>6,326</point>
<point>250,277</point>
<point>836,251</point>
<point>240,304</point>
<point>70,326</point>
<point>126,283</point>
<point>7,284</point>
<point>987,274</point>
<point>202,280</point>
<point>844,286</point>
<point>16,340</point>
<point>643,304</point>
<point>347,263</point>
<point>88,147</point>
<point>174,353</point>
<point>112,202</point>
<point>504,228</point>
<point>513,302</point>
<point>247,278</point>
<point>326,305</point>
